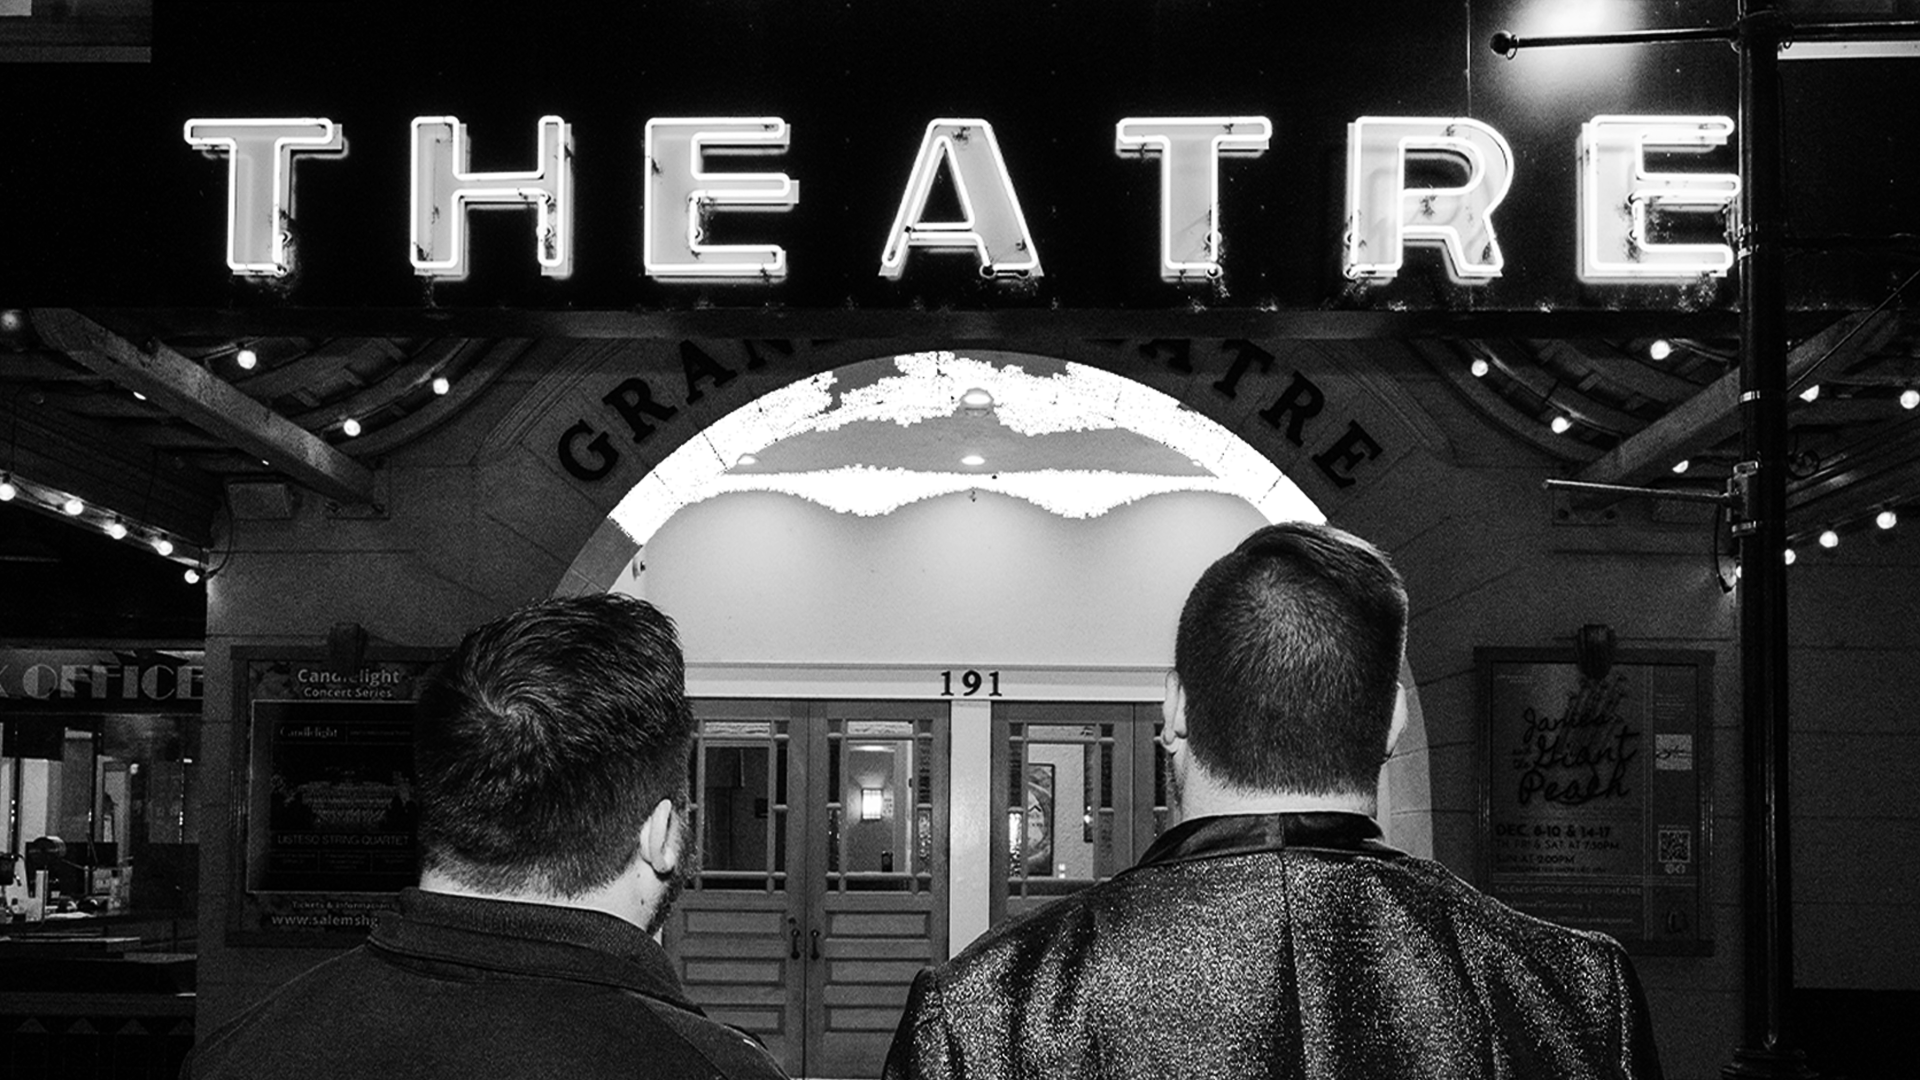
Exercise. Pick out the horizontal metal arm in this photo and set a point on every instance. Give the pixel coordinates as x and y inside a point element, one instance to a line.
<point>1623,490</point>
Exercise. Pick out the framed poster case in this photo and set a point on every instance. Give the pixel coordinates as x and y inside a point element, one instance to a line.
<point>1596,792</point>
<point>322,792</point>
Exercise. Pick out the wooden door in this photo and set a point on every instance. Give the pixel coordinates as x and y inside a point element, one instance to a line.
<point>736,934</point>
<point>879,885</point>
<point>1082,789</point>
<point>823,828</point>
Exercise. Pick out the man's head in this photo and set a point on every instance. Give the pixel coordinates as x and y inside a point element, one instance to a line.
<point>546,745</point>
<point>1288,656</point>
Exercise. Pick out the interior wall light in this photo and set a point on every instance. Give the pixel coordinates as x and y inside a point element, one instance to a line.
<point>1660,349</point>
<point>1910,399</point>
<point>441,385</point>
<point>872,804</point>
<point>1829,539</point>
<point>1886,519</point>
<point>1561,425</point>
<point>247,359</point>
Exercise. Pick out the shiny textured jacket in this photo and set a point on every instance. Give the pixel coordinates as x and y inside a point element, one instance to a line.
<point>1280,945</point>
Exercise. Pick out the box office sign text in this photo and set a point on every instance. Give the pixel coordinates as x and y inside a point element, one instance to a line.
<point>1594,792</point>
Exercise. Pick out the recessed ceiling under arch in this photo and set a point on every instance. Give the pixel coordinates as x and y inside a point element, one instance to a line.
<point>871,437</point>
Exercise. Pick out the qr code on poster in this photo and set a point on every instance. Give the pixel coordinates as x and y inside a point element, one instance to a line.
<point>1676,845</point>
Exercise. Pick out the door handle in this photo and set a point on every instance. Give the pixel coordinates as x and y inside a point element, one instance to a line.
<point>815,939</point>
<point>793,953</point>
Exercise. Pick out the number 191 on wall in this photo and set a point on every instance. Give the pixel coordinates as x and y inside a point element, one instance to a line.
<point>971,683</point>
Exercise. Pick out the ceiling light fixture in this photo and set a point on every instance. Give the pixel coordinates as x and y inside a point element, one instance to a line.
<point>1810,394</point>
<point>1682,465</point>
<point>1910,399</point>
<point>1829,539</point>
<point>441,385</point>
<point>351,427</point>
<point>1561,425</point>
<point>73,507</point>
<point>117,529</point>
<point>1790,556</point>
<point>1479,367</point>
<point>192,575</point>
<point>1660,349</point>
<point>162,546</point>
<point>746,461</point>
<point>977,400</point>
<point>1886,519</point>
<point>7,490</point>
<point>246,358</point>
<point>973,459</point>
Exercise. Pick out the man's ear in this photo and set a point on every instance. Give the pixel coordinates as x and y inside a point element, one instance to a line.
<point>1173,713</point>
<point>659,840</point>
<point>1400,718</point>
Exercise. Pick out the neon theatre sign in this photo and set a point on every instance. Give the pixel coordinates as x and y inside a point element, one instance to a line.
<point>1621,200</point>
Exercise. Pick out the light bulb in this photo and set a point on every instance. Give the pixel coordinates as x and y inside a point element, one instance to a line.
<point>246,358</point>
<point>117,529</point>
<point>441,385</point>
<point>351,427</point>
<point>73,507</point>
<point>192,575</point>
<point>7,490</point>
<point>1480,367</point>
<point>1910,399</point>
<point>1660,349</point>
<point>162,546</point>
<point>1829,539</point>
<point>1886,519</point>
<point>1561,425</point>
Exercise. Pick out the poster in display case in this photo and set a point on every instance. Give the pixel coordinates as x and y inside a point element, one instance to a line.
<point>1595,789</point>
<point>324,791</point>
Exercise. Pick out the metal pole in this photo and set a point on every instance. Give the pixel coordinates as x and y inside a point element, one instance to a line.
<point>1766,1048</point>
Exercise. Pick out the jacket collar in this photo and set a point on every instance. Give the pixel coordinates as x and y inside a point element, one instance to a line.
<point>529,939</point>
<point>1245,834</point>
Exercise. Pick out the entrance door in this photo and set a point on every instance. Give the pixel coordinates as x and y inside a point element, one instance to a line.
<point>822,890</point>
<point>1082,788</point>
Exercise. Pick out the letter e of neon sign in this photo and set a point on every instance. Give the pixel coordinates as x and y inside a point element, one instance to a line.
<point>260,159</point>
<point>681,194</point>
<point>1618,195</point>
<point>1384,215</point>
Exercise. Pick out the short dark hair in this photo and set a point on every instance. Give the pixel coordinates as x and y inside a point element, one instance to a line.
<point>1289,654</point>
<point>542,745</point>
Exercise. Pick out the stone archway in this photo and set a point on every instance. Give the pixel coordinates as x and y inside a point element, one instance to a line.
<point>626,414</point>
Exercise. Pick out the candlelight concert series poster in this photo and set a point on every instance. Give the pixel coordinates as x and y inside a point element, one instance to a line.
<point>1595,791</point>
<point>329,803</point>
